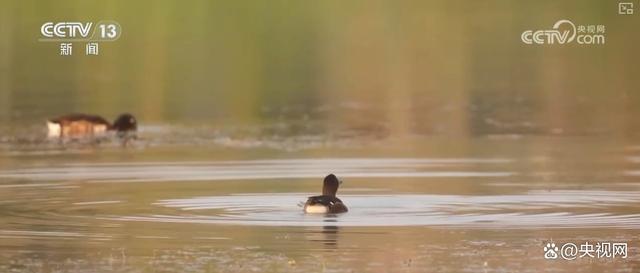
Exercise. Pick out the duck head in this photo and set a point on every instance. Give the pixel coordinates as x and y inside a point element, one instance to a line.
<point>330,186</point>
<point>125,123</point>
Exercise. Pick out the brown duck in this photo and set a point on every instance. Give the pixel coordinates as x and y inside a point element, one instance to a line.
<point>84,125</point>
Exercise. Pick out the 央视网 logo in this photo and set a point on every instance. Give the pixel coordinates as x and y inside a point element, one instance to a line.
<point>585,250</point>
<point>565,32</point>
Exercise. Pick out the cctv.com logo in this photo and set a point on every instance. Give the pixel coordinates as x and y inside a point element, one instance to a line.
<point>565,32</point>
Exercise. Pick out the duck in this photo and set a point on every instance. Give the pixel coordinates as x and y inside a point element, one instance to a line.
<point>86,125</point>
<point>327,202</point>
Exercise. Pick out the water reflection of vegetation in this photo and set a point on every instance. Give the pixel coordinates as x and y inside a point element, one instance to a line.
<point>408,68</point>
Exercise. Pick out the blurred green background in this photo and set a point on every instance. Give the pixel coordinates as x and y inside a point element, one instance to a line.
<point>405,67</point>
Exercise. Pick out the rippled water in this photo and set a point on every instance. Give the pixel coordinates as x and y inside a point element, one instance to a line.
<point>234,204</point>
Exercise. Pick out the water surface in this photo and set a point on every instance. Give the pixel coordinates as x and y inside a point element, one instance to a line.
<point>160,205</point>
